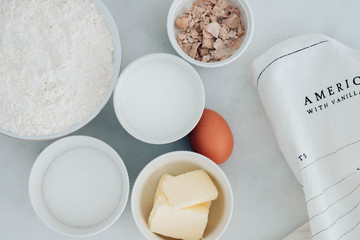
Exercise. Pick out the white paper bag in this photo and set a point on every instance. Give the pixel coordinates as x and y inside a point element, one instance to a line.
<point>310,89</point>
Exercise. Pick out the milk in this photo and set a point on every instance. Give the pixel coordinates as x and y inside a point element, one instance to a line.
<point>160,98</point>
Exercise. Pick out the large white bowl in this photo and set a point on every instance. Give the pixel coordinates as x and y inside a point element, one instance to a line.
<point>175,163</point>
<point>41,167</point>
<point>117,62</point>
<point>179,6</point>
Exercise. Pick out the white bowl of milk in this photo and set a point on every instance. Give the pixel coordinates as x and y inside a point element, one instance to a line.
<point>79,186</point>
<point>159,98</point>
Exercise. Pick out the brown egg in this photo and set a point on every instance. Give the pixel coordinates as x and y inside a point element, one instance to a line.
<point>212,137</point>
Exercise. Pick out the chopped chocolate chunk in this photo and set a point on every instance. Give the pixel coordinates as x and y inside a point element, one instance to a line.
<point>213,1</point>
<point>220,53</point>
<point>213,28</point>
<point>221,15</point>
<point>206,58</point>
<point>190,39</point>
<point>193,49</point>
<point>235,10</point>
<point>198,11</point>
<point>198,2</point>
<point>181,36</point>
<point>232,21</point>
<point>224,34</point>
<point>194,34</point>
<point>235,44</point>
<point>240,30</point>
<point>187,11</point>
<point>187,48</point>
<point>203,51</point>
<point>182,23</point>
<point>233,35</point>
<point>206,34</point>
<point>219,44</point>
<point>208,43</point>
<point>213,18</point>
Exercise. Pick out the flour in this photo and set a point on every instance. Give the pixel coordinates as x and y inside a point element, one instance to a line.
<point>56,64</point>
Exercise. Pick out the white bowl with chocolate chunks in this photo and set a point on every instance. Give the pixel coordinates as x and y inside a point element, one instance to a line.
<point>210,33</point>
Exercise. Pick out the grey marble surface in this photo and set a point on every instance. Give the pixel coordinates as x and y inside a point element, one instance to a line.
<point>269,203</point>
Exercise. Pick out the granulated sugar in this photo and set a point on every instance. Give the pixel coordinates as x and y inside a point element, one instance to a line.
<point>82,187</point>
<point>56,64</point>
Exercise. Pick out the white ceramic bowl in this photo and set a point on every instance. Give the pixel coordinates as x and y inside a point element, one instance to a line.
<point>53,217</point>
<point>159,98</point>
<point>117,62</point>
<point>176,163</point>
<point>178,7</point>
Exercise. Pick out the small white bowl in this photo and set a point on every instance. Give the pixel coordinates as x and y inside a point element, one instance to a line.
<point>117,62</point>
<point>176,163</point>
<point>159,98</point>
<point>88,182</point>
<point>179,6</point>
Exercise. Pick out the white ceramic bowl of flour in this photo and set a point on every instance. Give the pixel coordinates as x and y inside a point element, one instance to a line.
<point>21,123</point>
<point>79,186</point>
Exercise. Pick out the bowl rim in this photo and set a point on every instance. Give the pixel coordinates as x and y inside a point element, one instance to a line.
<point>132,67</point>
<point>112,26</point>
<point>244,45</point>
<point>122,172</point>
<point>163,158</point>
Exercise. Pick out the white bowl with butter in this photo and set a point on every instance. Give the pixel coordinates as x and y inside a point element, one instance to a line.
<point>175,164</point>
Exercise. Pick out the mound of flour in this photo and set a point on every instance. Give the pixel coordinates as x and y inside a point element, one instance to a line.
<point>56,64</point>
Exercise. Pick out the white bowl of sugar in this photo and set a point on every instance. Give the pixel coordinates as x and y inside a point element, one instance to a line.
<point>79,186</point>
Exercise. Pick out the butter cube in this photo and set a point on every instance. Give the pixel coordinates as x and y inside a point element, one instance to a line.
<point>183,223</point>
<point>189,189</point>
<point>159,189</point>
